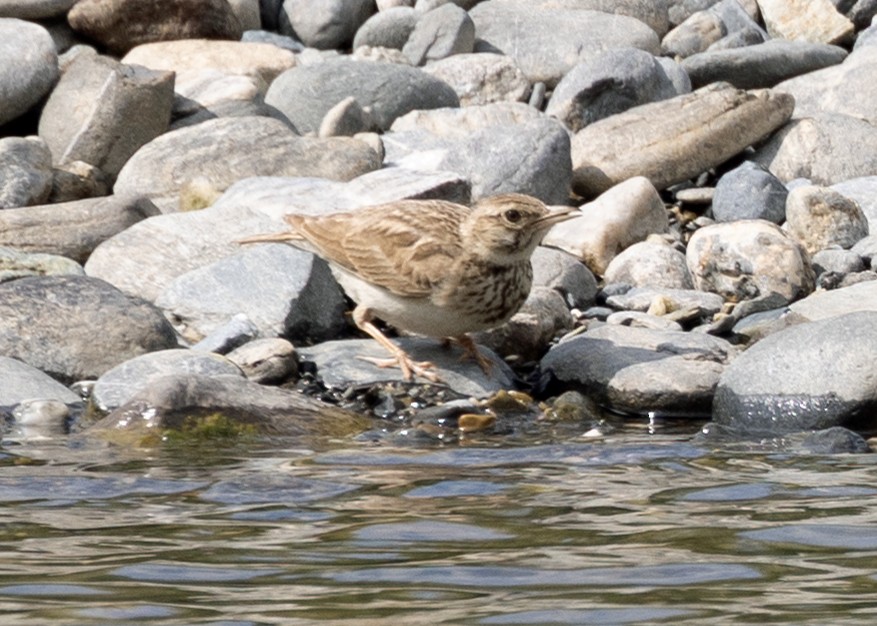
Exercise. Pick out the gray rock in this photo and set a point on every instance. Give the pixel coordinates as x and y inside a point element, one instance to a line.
<point>119,384</point>
<point>16,264</point>
<point>837,261</point>
<point>808,377</point>
<point>643,299</point>
<point>24,382</point>
<point>673,140</point>
<point>282,290</point>
<point>820,218</point>
<point>638,319</point>
<point>650,264</point>
<point>266,360</point>
<point>339,366</point>
<point>482,78</point>
<point>229,336</point>
<point>71,229</point>
<point>387,29</point>
<point>147,257</point>
<point>703,28</point>
<point>225,150</point>
<point>749,192</point>
<point>848,88</point>
<point>119,25</point>
<point>102,112</point>
<point>28,66</point>
<point>624,215</point>
<point>565,274</point>
<point>440,33</point>
<point>864,192</point>
<point>761,65</point>
<point>25,172</point>
<point>640,370</point>
<point>862,14</point>
<point>34,9</point>
<point>819,21</point>
<point>826,149</point>
<point>526,336</point>
<point>608,84</point>
<point>77,327</point>
<point>264,36</point>
<point>546,43</point>
<point>77,180</point>
<point>822,305</point>
<point>187,404</point>
<point>529,152</point>
<point>325,25</point>
<point>306,93</point>
<point>346,119</point>
<point>749,258</point>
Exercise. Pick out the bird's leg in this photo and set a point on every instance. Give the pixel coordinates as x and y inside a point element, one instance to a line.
<point>362,317</point>
<point>470,350</point>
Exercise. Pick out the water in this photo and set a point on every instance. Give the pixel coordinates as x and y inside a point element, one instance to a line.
<point>637,528</point>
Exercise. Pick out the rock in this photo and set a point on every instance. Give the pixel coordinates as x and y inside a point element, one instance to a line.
<point>866,248</point>
<point>119,25</point>
<point>749,192</point>
<point>807,377</point>
<point>608,84</point>
<point>542,317</point>
<point>703,28</point>
<point>266,360</point>
<point>822,305</point>
<point>641,370</point>
<point>198,406</point>
<point>388,28</point>
<point>864,192</point>
<point>25,172</point>
<point>809,20</point>
<point>28,66</point>
<point>481,78</point>
<point>35,9</point>
<point>326,25</point>
<point>24,382</point>
<point>71,229</point>
<point>673,140</point>
<point>749,258</point>
<point>77,180</point>
<point>649,264</point>
<point>248,13</point>
<point>146,258</point>
<point>306,93</point>
<point>529,152</point>
<point>837,261</point>
<point>346,119</point>
<point>667,302</point>
<point>848,88</point>
<point>237,331</point>
<point>279,41</point>
<point>77,327</point>
<point>118,385</point>
<point>862,15</point>
<point>819,218</point>
<point>565,274</point>
<point>228,149</point>
<point>207,94</point>
<point>101,112</point>
<point>15,264</point>
<point>547,43</point>
<point>282,290</point>
<point>339,366</point>
<point>440,33</point>
<point>263,61</point>
<point>622,216</point>
<point>826,149</point>
<point>761,65</point>
<point>642,320</point>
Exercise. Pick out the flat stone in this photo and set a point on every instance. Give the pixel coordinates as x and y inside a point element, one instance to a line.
<point>15,264</point>
<point>28,66</point>
<point>822,305</point>
<point>481,78</point>
<point>673,140</point>
<point>24,382</point>
<point>35,9</point>
<point>807,377</point>
<point>642,299</point>
<point>641,370</point>
<point>810,20</point>
<point>25,172</point>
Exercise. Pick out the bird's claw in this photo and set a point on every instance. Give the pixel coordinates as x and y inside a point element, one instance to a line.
<point>409,367</point>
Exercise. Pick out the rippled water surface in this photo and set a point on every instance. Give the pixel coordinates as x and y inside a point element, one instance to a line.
<point>634,529</point>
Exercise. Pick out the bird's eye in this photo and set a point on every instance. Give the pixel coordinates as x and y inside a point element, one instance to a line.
<point>513,215</point>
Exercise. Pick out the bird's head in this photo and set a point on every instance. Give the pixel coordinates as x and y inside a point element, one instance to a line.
<point>507,228</point>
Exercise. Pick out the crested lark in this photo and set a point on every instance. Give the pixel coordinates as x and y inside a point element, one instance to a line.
<point>430,267</point>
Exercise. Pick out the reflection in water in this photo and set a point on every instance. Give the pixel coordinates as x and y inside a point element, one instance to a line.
<point>632,529</point>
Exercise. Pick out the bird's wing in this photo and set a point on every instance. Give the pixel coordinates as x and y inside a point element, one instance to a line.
<point>405,247</point>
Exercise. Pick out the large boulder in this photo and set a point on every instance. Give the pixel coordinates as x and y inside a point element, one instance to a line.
<point>28,66</point>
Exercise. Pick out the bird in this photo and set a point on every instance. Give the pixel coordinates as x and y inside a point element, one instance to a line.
<point>429,267</point>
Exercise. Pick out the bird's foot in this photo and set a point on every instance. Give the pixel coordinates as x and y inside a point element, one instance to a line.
<point>471,351</point>
<point>409,367</point>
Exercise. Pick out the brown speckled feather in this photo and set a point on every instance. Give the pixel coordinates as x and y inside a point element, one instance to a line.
<point>403,247</point>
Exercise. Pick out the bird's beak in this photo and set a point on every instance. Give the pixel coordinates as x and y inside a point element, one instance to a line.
<point>557,215</point>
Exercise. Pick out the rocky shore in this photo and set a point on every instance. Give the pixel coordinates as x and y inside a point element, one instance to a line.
<point>723,156</point>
